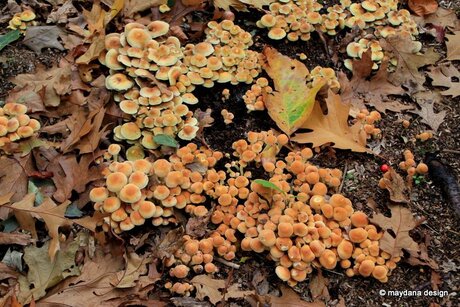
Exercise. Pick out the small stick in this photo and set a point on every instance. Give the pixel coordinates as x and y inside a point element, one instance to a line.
<point>344,174</point>
<point>228,263</point>
<point>452,151</point>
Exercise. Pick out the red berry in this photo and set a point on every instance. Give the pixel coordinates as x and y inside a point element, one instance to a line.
<point>384,168</point>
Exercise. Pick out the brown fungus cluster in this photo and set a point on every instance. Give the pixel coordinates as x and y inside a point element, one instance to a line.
<point>21,20</point>
<point>155,76</point>
<point>15,124</point>
<point>297,19</point>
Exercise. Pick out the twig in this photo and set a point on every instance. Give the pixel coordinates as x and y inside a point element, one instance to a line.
<point>228,263</point>
<point>337,273</point>
<point>452,151</point>
<point>344,174</point>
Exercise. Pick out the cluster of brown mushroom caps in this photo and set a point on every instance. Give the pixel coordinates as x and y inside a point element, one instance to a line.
<point>297,19</point>
<point>20,21</point>
<point>410,166</point>
<point>367,120</point>
<point>135,191</point>
<point>156,76</point>
<point>15,124</point>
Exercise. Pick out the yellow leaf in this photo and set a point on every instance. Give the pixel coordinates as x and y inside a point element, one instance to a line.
<point>292,101</point>
<point>332,127</point>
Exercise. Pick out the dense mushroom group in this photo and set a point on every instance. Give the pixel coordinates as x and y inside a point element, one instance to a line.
<point>15,124</point>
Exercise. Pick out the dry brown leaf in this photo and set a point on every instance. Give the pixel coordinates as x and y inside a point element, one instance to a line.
<point>446,75</point>
<point>206,286</point>
<point>400,223</point>
<point>407,71</point>
<point>61,14</point>
<point>7,272</point>
<point>453,46</point>
<point>226,4</point>
<point>169,243</point>
<point>396,186</point>
<point>435,280</point>
<point>421,257</point>
<point>290,298</point>
<point>423,7</point>
<point>14,176</point>
<point>259,4</point>
<point>332,127</point>
<point>39,37</point>
<point>318,287</point>
<point>15,238</point>
<point>52,215</point>
<point>134,6</point>
<point>429,117</point>
<point>445,18</point>
<point>375,91</point>
<point>135,266</point>
<point>292,101</point>
<point>53,82</point>
<point>27,96</point>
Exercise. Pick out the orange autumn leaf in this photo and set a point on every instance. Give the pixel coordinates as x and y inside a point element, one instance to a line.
<point>423,7</point>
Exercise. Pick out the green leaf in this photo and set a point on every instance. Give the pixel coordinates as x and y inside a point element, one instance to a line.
<point>73,211</point>
<point>32,188</point>
<point>166,140</point>
<point>9,38</point>
<point>268,184</point>
<point>292,101</point>
<point>9,225</point>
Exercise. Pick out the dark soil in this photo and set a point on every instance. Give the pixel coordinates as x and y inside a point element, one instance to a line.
<point>362,175</point>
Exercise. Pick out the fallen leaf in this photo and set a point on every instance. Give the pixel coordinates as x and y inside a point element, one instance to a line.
<point>429,117</point>
<point>134,6</point>
<point>395,185</point>
<point>226,4</point>
<point>39,37</point>
<point>169,244</point>
<point>453,46</point>
<point>135,267</point>
<point>445,18</point>
<point>28,97</point>
<point>332,127</point>
<point>206,286</point>
<point>292,101</point>
<point>446,75</point>
<point>44,273</point>
<point>421,257</point>
<point>423,7</point>
<point>7,272</point>
<point>400,223</point>
<point>13,259</point>
<point>373,90</point>
<point>9,38</point>
<point>259,4</point>
<point>435,280</point>
<point>291,298</point>
<point>53,82</point>
<point>13,176</point>
<point>15,238</point>
<point>407,71</point>
<point>93,287</point>
<point>318,287</point>
<point>61,14</point>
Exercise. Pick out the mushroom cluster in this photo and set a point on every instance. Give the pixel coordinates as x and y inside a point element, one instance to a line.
<point>227,116</point>
<point>367,120</point>
<point>297,19</point>
<point>138,190</point>
<point>15,124</point>
<point>21,20</point>
<point>155,76</point>
<point>410,166</point>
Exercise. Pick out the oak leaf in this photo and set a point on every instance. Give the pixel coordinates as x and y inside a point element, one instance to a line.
<point>445,18</point>
<point>290,298</point>
<point>44,273</point>
<point>453,46</point>
<point>226,4</point>
<point>39,37</point>
<point>206,286</point>
<point>259,4</point>
<point>395,185</point>
<point>429,117</point>
<point>53,82</point>
<point>407,71</point>
<point>134,6</point>
<point>332,127</point>
<point>446,75</point>
<point>373,90</point>
<point>400,223</point>
<point>423,7</point>
<point>292,101</point>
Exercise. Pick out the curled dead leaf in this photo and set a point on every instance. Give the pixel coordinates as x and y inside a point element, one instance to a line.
<point>423,7</point>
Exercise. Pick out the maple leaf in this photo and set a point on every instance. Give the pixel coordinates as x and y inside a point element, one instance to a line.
<point>375,91</point>
<point>453,46</point>
<point>400,223</point>
<point>39,37</point>
<point>53,82</point>
<point>407,70</point>
<point>44,273</point>
<point>446,75</point>
<point>429,117</point>
<point>423,7</point>
<point>332,127</point>
<point>290,104</point>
